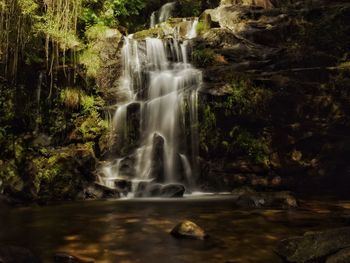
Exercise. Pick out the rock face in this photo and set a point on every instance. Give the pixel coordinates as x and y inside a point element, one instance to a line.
<point>10,254</point>
<point>188,229</point>
<point>316,246</point>
<point>157,166</point>
<point>262,100</point>
<point>108,52</point>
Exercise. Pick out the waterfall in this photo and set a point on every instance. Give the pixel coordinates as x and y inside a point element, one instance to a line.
<point>158,78</point>
<point>163,14</point>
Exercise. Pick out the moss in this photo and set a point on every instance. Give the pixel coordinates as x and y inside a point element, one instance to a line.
<point>208,133</point>
<point>256,147</point>
<point>203,57</point>
<point>58,175</point>
<point>245,99</point>
<point>345,65</point>
<point>202,27</point>
<point>8,170</point>
<point>152,32</point>
<point>91,60</point>
<point>91,127</point>
<point>70,97</point>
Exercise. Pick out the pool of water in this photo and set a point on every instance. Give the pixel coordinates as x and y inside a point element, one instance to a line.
<point>138,230</point>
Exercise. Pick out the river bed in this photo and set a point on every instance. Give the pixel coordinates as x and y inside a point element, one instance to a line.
<point>137,230</point>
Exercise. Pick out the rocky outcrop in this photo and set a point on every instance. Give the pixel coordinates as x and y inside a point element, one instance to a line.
<point>316,246</point>
<point>188,229</point>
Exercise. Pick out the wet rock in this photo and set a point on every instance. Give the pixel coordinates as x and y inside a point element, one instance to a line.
<point>188,229</point>
<point>243,191</point>
<point>123,185</point>
<point>127,166</point>
<point>141,189</point>
<point>247,197</point>
<point>314,246</point>
<point>343,256</point>
<point>98,191</point>
<point>134,121</point>
<point>13,254</point>
<point>150,189</point>
<point>154,190</point>
<point>66,258</point>
<point>172,190</point>
<point>157,166</point>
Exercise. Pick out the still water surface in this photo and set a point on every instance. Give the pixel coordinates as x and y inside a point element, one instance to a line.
<point>138,230</point>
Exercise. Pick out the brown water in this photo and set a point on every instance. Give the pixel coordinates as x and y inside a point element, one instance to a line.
<point>138,231</point>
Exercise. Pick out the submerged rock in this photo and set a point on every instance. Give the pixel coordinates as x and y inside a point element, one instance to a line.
<point>12,254</point>
<point>315,246</point>
<point>66,258</point>
<point>188,229</point>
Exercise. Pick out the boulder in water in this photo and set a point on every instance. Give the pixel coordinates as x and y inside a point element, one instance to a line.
<point>13,254</point>
<point>172,190</point>
<point>188,229</point>
<point>314,246</point>
<point>247,197</point>
<point>150,189</point>
<point>98,191</point>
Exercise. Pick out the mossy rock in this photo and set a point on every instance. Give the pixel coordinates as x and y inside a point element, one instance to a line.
<point>63,173</point>
<point>152,32</point>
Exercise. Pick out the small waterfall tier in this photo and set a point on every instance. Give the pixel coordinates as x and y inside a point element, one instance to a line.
<point>165,12</point>
<point>154,137</point>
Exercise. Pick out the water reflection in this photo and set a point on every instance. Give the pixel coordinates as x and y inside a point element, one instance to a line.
<point>138,231</point>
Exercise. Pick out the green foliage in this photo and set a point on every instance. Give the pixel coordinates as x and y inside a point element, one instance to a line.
<point>256,147</point>
<point>190,8</point>
<point>56,178</point>
<point>245,99</point>
<point>70,97</point>
<point>109,12</point>
<point>203,57</point>
<point>208,132</point>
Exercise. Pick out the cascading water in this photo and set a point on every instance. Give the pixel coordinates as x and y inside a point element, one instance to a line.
<point>163,14</point>
<point>161,87</point>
